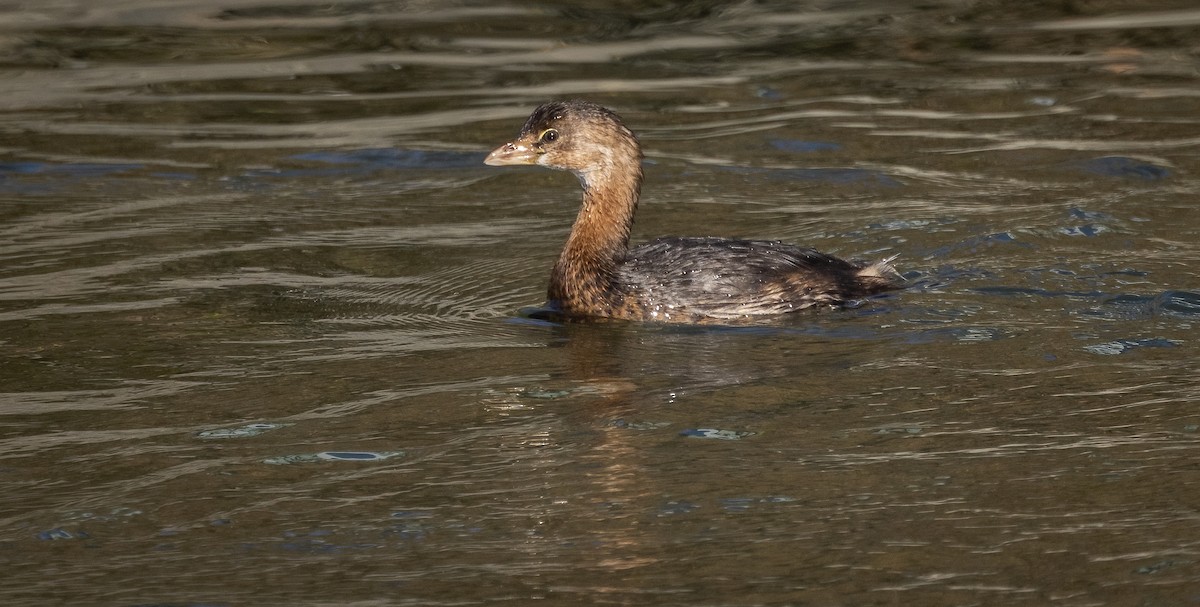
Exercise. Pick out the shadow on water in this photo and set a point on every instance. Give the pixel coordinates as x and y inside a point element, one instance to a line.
<point>262,339</point>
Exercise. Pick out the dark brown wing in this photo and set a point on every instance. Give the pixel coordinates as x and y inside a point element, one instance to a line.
<point>733,278</point>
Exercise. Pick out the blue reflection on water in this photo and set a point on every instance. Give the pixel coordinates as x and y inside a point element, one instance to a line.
<point>1121,166</point>
<point>371,160</point>
<point>31,178</point>
<point>395,158</point>
<point>802,146</point>
<point>839,176</point>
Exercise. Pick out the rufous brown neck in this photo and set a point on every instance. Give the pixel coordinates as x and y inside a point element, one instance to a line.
<point>599,238</point>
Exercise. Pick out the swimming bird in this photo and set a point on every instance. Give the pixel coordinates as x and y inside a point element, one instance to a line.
<point>673,279</point>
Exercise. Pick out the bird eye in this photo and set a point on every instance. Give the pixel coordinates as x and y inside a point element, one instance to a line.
<point>548,136</point>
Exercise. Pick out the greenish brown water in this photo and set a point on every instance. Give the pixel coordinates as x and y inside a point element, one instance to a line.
<point>261,339</point>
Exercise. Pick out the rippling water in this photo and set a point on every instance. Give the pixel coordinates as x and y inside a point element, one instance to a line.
<point>262,341</point>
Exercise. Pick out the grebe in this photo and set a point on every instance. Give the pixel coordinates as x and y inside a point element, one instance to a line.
<point>669,279</point>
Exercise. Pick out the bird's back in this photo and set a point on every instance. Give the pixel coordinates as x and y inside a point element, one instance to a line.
<point>724,279</point>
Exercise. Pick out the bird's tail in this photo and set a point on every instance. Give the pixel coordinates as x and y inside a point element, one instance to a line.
<point>881,275</point>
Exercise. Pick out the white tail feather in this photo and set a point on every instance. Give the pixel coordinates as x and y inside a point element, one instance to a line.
<point>882,269</point>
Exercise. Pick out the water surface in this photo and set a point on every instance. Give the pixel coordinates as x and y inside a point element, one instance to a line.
<point>261,339</point>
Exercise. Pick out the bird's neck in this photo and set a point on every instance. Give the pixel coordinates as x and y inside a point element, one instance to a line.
<point>599,239</point>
